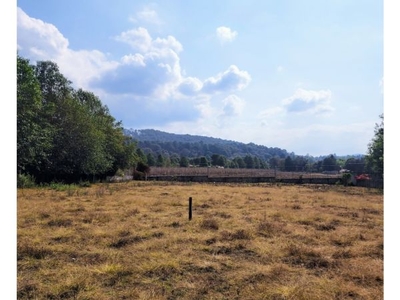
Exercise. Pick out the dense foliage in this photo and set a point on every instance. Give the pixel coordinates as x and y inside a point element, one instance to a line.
<point>152,141</point>
<point>375,150</point>
<point>167,149</point>
<point>65,134</point>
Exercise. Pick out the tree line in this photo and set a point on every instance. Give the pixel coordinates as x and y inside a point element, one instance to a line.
<point>164,154</point>
<point>64,134</point>
<point>177,150</point>
<point>294,163</point>
<point>154,141</point>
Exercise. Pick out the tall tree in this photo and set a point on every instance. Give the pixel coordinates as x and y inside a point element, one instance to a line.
<point>160,161</point>
<point>64,134</point>
<point>329,163</point>
<point>151,160</point>
<point>240,162</point>
<point>289,165</point>
<point>203,162</point>
<point>183,161</point>
<point>374,156</point>
<point>54,85</point>
<point>249,161</point>
<point>33,140</point>
<point>356,165</point>
<point>274,162</point>
<point>141,156</point>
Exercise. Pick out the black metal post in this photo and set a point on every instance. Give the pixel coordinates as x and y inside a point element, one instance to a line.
<point>190,208</point>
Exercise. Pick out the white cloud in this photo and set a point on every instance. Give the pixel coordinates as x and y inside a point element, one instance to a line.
<point>169,43</point>
<point>233,106</point>
<point>146,84</point>
<point>38,40</point>
<point>148,15</point>
<point>190,86</point>
<point>34,35</point>
<point>153,75</point>
<point>308,101</point>
<point>153,71</point>
<point>225,34</point>
<point>136,59</point>
<point>139,39</point>
<point>272,112</point>
<point>83,66</point>
<point>231,80</point>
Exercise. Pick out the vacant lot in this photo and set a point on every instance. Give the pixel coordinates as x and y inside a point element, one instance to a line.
<point>134,241</point>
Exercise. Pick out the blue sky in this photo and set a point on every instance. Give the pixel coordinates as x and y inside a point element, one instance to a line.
<point>305,76</point>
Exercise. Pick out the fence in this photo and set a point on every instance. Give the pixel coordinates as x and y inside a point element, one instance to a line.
<point>204,174</point>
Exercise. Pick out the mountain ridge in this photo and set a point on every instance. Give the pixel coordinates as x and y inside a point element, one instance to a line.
<point>161,142</point>
<point>158,135</point>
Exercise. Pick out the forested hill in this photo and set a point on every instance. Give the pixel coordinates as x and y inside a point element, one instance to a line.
<point>159,142</point>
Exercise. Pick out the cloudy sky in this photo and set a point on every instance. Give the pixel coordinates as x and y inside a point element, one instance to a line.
<point>305,76</point>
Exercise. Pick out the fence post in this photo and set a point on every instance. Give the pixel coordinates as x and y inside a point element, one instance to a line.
<point>190,208</point>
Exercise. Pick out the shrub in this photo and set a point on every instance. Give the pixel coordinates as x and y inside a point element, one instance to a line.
<point>25,181</point>
<point>62,187</point>
<point>240,234</point>
<point>209,224</point>
<point>84,184</point>
<point>346,179</point>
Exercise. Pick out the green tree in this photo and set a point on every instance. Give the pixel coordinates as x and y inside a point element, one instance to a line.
<point>184,162</point>
<point>117,151</point>
<point>274,162</point>
<point>374,155</point>
<point>356,165</point>
<point>218,160</point>
<point>151,161</point>
<point>239,162</point>
<point>160,161</point>
<point>232,164</point>
<point>142,167</point>
<point>329,163</point>
<point>203,161</point>
<point>214,159</point>
<point>174,160</point>
<point>249,161</point>
<point>33,137</point>
<point>257,163</point>
<point>57,115</point>
<point>54,85</point>
<point>64,134</point>
<point>300,163</point>
<point>141,156</point>
<point>263,164</point>
<point>289,165</point>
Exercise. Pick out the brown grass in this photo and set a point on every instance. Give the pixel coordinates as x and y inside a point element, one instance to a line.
<point>134,241</point>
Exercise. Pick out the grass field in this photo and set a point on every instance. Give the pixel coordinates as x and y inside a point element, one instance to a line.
<point>133,240</point>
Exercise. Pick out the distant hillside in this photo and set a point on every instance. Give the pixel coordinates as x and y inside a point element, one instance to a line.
<point>159,142</point>
<point>161,136</point>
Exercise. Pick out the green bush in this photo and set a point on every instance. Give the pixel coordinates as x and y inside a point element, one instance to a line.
<point>62,187</point>
<point>84,184</point>
<point>25,181</point>
<point>346,179</point>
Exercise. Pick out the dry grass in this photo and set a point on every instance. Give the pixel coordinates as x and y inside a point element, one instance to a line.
<point>134,241</point>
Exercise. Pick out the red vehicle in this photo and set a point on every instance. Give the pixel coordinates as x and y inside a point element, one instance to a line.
<point>363,177</point>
